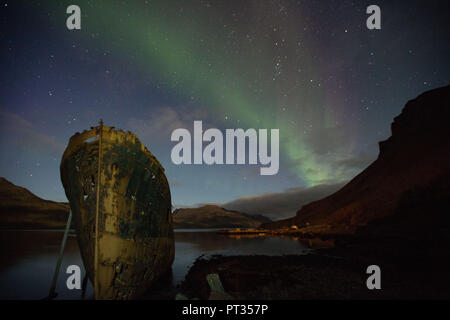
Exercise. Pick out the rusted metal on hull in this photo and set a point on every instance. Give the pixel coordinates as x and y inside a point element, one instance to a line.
<point>135,240</point>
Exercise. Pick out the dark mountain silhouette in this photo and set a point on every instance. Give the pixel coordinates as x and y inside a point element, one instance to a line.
<point>212,216</point>
<point>409,182</point>
<point>19,208</point>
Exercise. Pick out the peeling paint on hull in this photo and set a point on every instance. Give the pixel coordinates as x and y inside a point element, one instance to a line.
<point>135,229</point>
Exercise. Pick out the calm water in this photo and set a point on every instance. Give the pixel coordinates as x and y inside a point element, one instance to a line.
<point>28,258</point>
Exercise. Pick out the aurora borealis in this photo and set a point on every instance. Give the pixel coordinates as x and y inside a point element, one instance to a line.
<point>308,68</point>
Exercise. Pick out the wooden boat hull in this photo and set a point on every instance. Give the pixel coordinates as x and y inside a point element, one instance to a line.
<point>134,243</point>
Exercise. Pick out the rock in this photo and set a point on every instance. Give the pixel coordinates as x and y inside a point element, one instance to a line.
<point>217,290</point>
<point>180,296</point>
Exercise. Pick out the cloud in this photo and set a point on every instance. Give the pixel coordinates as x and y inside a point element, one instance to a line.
<point>159,124</point>
<point>324,140</point>
<point>358,162</point>
<point>331,155</point>
<point>17,131</point>
<point>282,204</point>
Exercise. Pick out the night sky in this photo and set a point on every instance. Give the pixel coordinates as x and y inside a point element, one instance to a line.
<point>311,69</point>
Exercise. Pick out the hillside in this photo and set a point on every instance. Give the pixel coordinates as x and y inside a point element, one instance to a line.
<point>19,208</point>
<point>412,171</point>
<point>212,216</point>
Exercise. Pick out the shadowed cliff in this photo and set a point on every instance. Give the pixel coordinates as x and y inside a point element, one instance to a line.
<point>411,171</point>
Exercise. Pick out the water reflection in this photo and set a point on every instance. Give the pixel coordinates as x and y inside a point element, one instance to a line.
<point>28,262</point>
<point>28,258</point>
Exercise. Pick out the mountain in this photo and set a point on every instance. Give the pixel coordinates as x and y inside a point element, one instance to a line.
<point>212,216</point>
<point>409,179</point>
<point>19,208</point>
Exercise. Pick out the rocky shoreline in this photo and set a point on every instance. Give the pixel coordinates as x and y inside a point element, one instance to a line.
<point>409,271</point>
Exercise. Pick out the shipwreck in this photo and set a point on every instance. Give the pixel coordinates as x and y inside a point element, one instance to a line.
<point>121,205</point>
